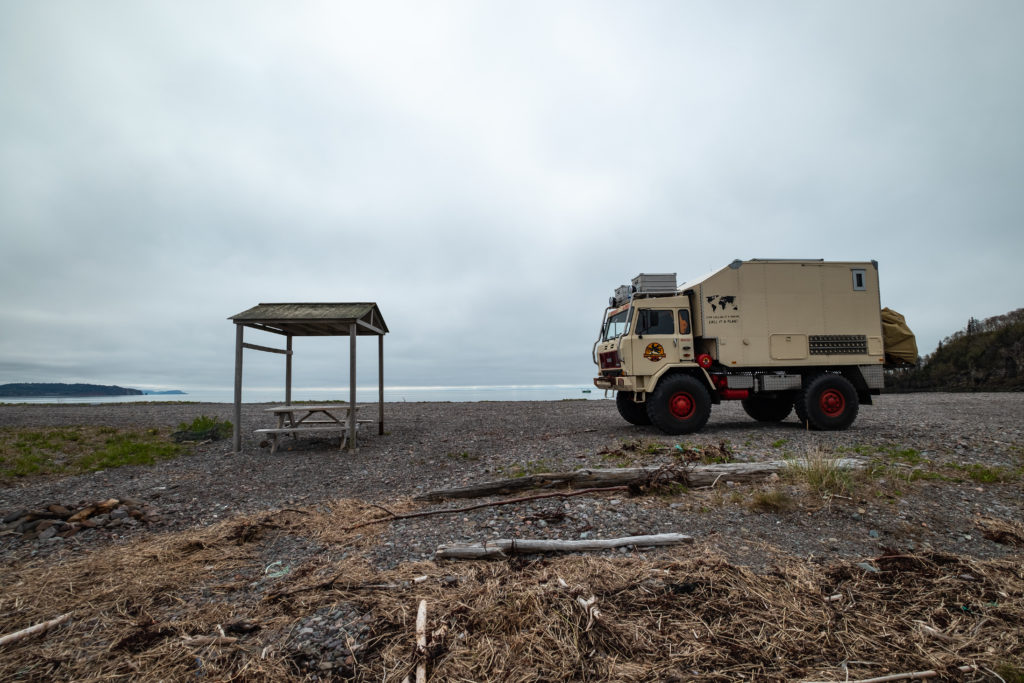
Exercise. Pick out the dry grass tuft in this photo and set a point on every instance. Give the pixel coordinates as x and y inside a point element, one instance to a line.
<point>1002,531</point>
<point>676,615</point>
<point>773,500</point>
<point>821,472</point>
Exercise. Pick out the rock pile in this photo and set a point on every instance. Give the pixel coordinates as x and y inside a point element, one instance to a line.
<point>328,640</point>
<point>57,521</point>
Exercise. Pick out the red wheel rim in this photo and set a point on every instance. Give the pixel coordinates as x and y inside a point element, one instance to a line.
<point>832,402</point>
<point>681,405</point>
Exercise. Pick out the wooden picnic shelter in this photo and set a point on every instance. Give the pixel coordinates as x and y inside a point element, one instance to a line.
<point>311,320</point>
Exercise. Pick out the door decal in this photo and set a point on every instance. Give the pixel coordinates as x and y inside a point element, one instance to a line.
<point>654,352</point>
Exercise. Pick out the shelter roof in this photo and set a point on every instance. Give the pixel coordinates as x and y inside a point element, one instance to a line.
<point>314,320</point>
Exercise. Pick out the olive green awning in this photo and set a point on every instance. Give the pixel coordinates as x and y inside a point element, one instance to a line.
<point>899,342</point>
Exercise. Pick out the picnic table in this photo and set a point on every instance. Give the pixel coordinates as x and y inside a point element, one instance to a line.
<point>303,419</point>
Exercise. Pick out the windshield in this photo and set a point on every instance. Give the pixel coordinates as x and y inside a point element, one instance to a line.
<point>617,325</point>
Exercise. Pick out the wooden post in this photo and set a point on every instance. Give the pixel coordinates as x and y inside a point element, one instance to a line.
<point>380,384</point>
<point>352,387</point>
<point>237,430</point>
<point>288,373</point>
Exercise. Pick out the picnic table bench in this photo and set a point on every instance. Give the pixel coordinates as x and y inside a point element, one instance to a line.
<point>305,419</point>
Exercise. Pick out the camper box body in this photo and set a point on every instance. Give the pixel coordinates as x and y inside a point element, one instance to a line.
<point>765,314</point>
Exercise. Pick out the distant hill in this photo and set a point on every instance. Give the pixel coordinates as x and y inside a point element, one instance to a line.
<point>987,355</point>
<point>43,390</point>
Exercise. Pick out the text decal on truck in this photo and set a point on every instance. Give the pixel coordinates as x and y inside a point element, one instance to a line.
<point>724,309</point>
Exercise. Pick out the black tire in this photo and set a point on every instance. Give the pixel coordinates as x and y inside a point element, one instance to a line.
<point>680,404</point>
<point>632,412</point>
<point>829,403</point>
<point>768,408</point>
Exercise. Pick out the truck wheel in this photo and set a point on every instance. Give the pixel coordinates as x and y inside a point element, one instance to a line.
<point>632,412</point>
<point>680,404</point>
<point>829,402</point>
<point>768,408</point>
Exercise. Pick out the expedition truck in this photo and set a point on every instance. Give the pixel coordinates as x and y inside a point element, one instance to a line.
<point>777,335</point>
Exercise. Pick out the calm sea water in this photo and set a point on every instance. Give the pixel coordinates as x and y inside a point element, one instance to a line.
<point>546,392</point>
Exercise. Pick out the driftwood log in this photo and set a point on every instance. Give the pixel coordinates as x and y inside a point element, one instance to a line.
<point>421,642</point>
<point>503,547</point>
<point>691,477</point>
<point>36,630</point>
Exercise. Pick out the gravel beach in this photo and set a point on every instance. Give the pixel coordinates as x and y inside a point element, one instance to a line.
<point>282,566</point>
<point>439,445</point>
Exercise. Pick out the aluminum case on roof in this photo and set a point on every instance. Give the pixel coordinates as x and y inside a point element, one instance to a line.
<point>655,283</point>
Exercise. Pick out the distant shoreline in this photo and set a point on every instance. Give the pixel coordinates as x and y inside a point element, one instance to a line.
<point>38,390</point>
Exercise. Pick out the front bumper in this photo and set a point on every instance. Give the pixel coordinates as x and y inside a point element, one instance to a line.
<point>616,383</point>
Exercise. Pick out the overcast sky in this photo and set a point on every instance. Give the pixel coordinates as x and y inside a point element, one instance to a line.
<point>487,172</point>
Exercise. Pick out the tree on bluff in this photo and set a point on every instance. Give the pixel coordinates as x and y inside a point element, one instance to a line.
<point>987,355</point>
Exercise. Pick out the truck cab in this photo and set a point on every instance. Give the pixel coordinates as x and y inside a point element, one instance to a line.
<point>642,339</point>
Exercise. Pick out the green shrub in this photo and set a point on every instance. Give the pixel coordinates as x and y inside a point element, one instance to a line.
<point>204,427</point>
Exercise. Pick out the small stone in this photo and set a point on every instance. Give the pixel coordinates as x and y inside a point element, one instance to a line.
<point>873,534</point>
<point>7,519</point>
<point>47,533</point>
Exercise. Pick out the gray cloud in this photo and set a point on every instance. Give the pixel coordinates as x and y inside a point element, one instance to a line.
<point>486,173</point>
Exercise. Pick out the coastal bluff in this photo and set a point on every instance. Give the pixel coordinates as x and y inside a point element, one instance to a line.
<point>59,390</point>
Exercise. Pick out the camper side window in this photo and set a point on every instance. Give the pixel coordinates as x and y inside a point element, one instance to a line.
<point>859,280</point>
<point>684,322</point>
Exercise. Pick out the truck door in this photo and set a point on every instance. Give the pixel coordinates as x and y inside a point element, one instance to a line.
<point>656,342</point>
